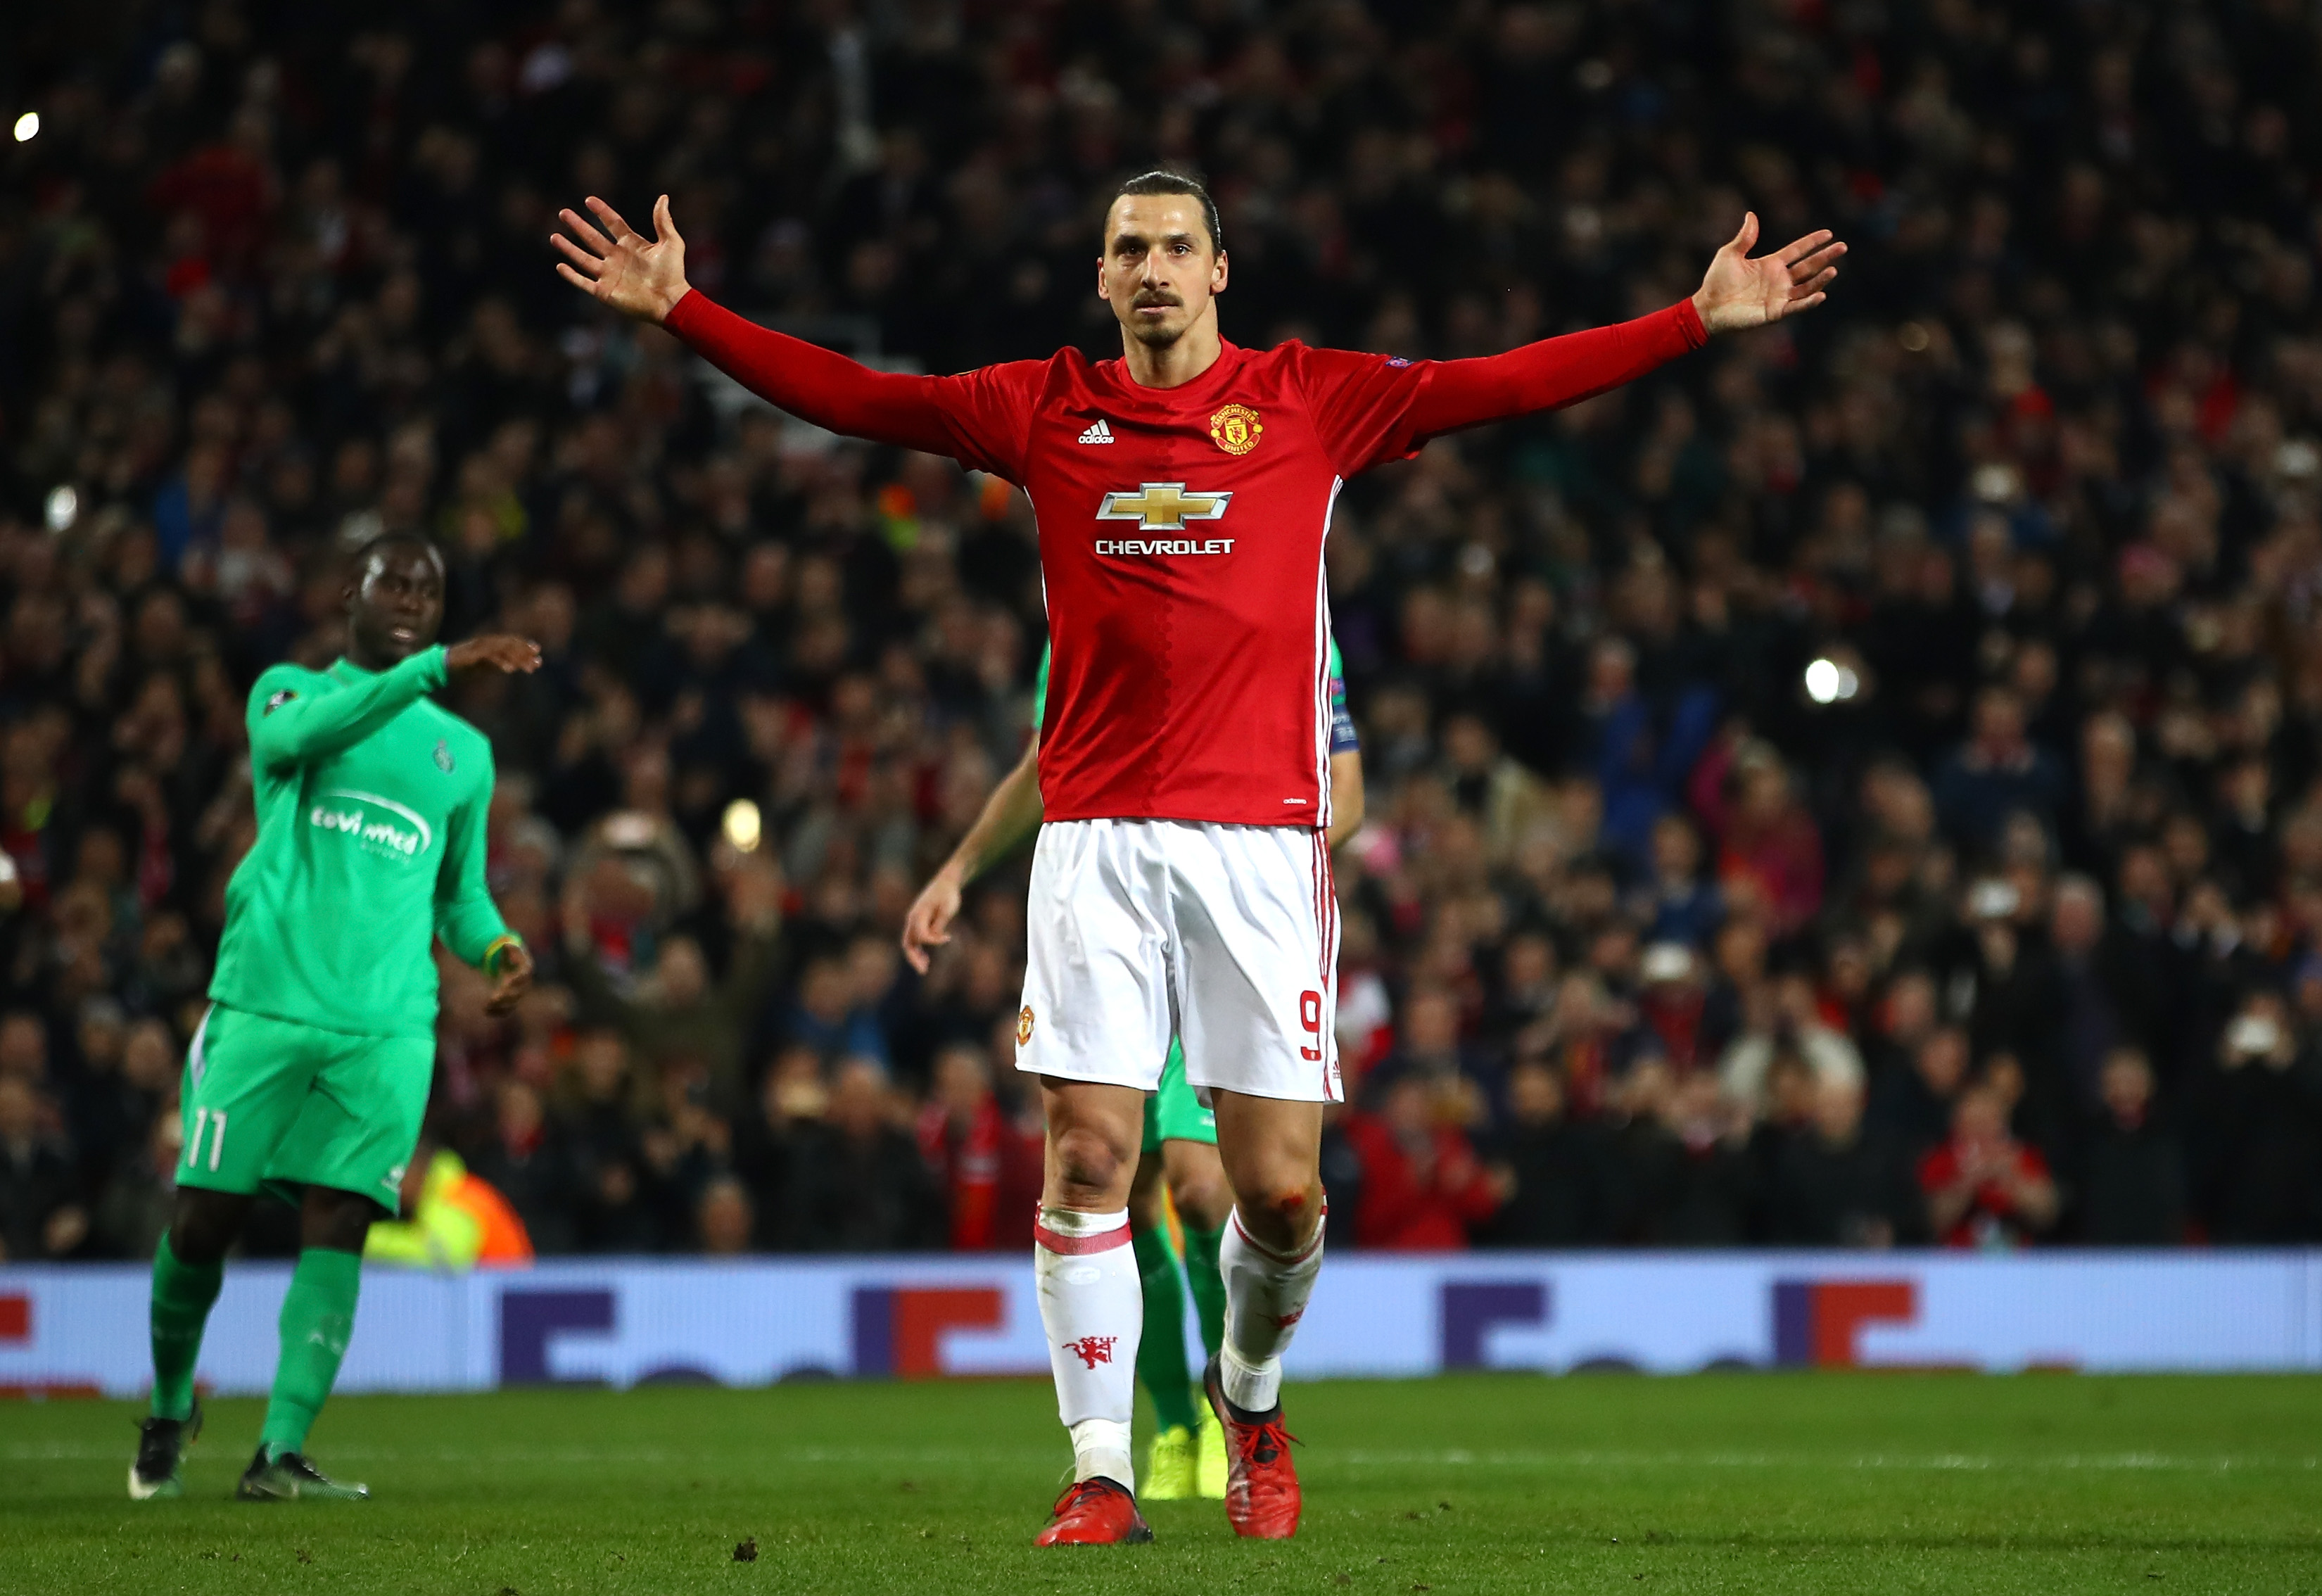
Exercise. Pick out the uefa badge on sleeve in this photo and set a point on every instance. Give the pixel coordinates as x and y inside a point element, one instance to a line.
<point>1236,429</point>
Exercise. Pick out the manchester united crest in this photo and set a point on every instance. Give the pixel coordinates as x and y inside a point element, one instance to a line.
<point>1236,429</point>
<point>1024,1027</point>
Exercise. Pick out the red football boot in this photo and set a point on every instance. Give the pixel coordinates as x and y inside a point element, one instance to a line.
<point>1262,1499</point>
<point>1095,1513</point>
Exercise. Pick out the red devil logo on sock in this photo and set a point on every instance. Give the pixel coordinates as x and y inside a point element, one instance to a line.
<point>1092,1350</point>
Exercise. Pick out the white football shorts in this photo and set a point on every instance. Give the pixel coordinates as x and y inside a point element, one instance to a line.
<point>1225,936</point>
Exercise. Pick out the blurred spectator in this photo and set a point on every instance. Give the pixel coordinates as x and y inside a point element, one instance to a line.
<point>1430,1051</point>
<point>2133,1171</point>
<point>1786,1019</point>
<point>108,1113</point>
<point>1915,1101</point>
<point>449,1220</point>
<point>725,1219</point>
<point>136,1207</point>
<point>1421,1183</point>
<point>830,1019</point>
<point>1984,1189</point>
<point>1830,1185</point>
<point>618,1209</point>
<point>857,1183</point>
<point>2088,997</point>
<point>675,1011</point>
<point>1558,1185</point>
<point>2267,1155</point>
<point>988,1165</point>
<point>792,1098</point>
<point>1687,1171</point>
<point>1997,773</point>
<point>41,1216</point>
<point>1681,906</point>
<point>529,1162</point>
<point>1771,854</point>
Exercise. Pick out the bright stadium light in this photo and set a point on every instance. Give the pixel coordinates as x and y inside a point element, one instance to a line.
<point>744,827</point>
<point>62,508</point>
<point>1829,682</point>
<point>28,127</point>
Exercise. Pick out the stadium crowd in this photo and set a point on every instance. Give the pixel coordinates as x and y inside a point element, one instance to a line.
<point>1863,785</point>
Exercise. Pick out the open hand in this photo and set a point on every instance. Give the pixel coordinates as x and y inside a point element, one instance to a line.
<point>501,651</point>
<point>1739,292</point>
<point>636,275</point>
<point>928,923</point>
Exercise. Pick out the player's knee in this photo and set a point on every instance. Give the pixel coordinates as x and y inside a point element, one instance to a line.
<point>1291,1207</point>
<point>203,1225</point>
<point>1088,1164</point>
<point>1280,1205</point>
<point>338,1220</point>
<point>1275,1180</point>
<point>1202,1198</point>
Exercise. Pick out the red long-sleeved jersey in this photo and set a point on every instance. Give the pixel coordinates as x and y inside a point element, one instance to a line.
<point>1181,529</point>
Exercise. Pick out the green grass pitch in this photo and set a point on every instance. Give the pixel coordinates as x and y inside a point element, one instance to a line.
<point>1790,1482</point>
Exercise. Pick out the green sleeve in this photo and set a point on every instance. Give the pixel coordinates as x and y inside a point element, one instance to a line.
<point>1338,665</point>
<point>296,715</point>
<point>1040,689</point>
<point>466,918</point>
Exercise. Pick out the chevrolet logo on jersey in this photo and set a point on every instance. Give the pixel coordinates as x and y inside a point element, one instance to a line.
<point>1162,506</point>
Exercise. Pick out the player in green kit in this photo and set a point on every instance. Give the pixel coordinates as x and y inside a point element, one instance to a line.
<point>309,1076</point>
<point>1180,1162</point>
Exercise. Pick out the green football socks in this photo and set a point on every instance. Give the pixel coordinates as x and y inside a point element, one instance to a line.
<point>1209,1285</point>
<point>182,1295</point>
<point>318,1315</point>
<point>1161,1349</point>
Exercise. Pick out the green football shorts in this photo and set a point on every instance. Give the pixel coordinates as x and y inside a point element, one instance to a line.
<point>1173,1114</point>
<point>268,1102</point>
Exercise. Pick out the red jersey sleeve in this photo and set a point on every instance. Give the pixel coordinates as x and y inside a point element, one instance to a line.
<point>988,414</point>
<point>981,418</point>
<point>1369,410</point>
<point>1361,406</point>
<point>1553,372</point>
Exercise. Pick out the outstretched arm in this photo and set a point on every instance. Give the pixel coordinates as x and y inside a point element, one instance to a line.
<point>1736,292</point>
<point>296,715</point>
<point>645,277</point>
<point>1009,817</point>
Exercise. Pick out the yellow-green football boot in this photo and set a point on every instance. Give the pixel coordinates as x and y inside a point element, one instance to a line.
<point>1168,1474</point>
<point>1210,1460</point>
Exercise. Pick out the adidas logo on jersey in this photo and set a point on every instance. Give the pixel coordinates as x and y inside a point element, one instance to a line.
<point>1099,434</point>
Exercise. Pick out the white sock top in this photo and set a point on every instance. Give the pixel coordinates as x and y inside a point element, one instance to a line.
<point>1074,1223</point>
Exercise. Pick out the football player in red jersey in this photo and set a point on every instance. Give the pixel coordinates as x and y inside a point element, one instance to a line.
<point>1183,494</point>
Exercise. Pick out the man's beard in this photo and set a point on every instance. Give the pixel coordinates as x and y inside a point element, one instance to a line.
<point>1154,335</point>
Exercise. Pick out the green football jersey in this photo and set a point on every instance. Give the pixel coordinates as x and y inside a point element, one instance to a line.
<point>371,844</point>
